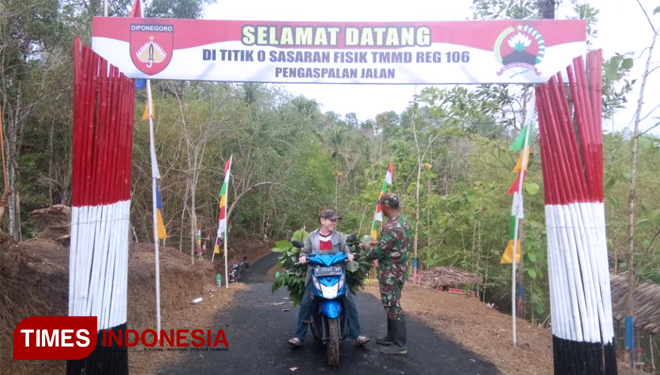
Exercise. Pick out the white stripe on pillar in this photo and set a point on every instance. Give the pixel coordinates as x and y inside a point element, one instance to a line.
<point>99,243</point>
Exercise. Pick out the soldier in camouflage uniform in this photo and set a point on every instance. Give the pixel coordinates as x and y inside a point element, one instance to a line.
<point>391,251</point>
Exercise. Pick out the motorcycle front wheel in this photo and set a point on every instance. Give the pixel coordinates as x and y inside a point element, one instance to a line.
<point>333,342</point>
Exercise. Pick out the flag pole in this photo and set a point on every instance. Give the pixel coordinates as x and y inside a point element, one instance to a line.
<point>518,202</point>
<point>225,250</point>
<point>156,175</point>
<point>226,239</point>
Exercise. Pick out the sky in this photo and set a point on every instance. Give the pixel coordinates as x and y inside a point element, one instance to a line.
<point>622,28</point>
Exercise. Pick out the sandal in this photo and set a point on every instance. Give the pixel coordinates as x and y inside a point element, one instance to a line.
<point>295,342</point>
<point>361,340</point>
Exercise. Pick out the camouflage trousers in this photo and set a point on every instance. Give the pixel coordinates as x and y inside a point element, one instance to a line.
<point>391,284</point>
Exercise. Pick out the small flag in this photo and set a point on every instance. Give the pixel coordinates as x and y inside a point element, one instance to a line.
<point>137,9</point>
<point>222,216</point>
<point>524,157</point>
<point>390,172</point>
<point>507,257</point>
<point>516,185</point>
<point>519,143</point>
<point>378,216</point>
<point>145,114</point>
<point>160,225</point>
<point>140,83</point>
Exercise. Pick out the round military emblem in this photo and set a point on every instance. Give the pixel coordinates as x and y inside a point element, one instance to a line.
<point>519,47</point>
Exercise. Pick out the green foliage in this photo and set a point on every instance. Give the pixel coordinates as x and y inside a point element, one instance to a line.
<point>176,9</point>
<point>504,9</point>
<point>616,85</point>
<point>293,275</point>
<point>532,188</point>
<point>585,11</point>
<point>358,269</point>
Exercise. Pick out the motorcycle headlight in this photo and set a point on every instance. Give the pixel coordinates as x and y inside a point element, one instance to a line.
<point>342,279</point>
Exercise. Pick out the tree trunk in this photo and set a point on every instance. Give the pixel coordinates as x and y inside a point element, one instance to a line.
<point>14,203</point>
<point>428,213</point>
<point>13,131</point>
<point>417,208</point>
<point>419,175</point>
<point>193,234</point>
<point>193,212</point>
<point>547,9</point>
<point>183,216</point>
<point>364,212</point>
<point>630,300</point>
<point>50,163</point>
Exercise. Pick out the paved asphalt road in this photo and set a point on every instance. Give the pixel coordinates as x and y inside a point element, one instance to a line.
<point>257,330</point>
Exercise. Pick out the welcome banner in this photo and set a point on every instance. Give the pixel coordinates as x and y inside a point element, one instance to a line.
<point>511,51</point>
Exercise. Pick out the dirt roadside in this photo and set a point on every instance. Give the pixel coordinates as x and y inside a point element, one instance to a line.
<point>484,330</point>
<point>34,282</point>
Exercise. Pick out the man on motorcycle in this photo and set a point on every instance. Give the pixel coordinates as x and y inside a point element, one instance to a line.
<point>325,240</point>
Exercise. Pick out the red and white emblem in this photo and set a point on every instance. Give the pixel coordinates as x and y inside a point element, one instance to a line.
<point>151,47</point>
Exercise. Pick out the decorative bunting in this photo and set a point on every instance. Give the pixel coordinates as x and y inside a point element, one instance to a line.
<point>378,216</point>
<point>222,216</point>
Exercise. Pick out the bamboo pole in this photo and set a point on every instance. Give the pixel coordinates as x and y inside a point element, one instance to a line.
<point>155,173</point>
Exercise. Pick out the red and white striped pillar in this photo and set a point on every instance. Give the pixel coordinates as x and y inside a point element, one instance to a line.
<point>572,158</point>
<point>102,152</point>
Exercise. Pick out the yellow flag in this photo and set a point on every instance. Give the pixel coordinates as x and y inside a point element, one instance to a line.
<point>518,166</point>
<point>507,257</point>
<point>162,232</point>
<point>145,115</point>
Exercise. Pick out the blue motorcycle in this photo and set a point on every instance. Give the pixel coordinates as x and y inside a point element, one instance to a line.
<point>328,321</point>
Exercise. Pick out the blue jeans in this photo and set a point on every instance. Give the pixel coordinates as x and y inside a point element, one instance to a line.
<point>305,311</point>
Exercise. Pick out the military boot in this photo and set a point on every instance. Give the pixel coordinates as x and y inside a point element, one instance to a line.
<point>399,338</point>
<point>387,340</point>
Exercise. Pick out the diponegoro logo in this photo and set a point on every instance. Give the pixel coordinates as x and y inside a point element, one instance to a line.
<point>75,337</point>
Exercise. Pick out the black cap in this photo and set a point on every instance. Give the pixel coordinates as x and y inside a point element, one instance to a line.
<point>328,214</point>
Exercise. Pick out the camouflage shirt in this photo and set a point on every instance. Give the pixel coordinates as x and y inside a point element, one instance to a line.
<point>393,245</point>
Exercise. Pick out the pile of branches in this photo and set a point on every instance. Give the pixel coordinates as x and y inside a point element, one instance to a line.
<point>293,276</point>
<point>56,220</point>
<point>448,277</point>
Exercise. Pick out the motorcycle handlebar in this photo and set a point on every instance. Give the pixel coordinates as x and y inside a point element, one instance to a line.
<point>345,261</point>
